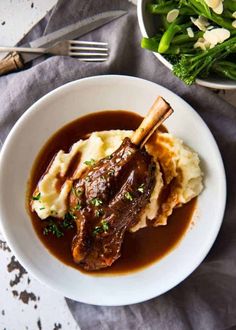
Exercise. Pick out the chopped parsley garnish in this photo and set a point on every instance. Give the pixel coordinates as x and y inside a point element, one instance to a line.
<point>77,192</point>
<point>42,208</point>
<point>78,206</point>
<point>99,213</point>
<point>67,224</point>
<point>37,197</point>
<point>111,172</point>
<point>52,228</point>
<point>58,227</point>
<point>103,228</point>
<point>96,201</point>
<point>109,157</point>
<point>128,196</point>
<point>69,216</point>
<point>97,230</point>
<point>68,221</point>
<point>141,188</point>
<point>90,162</point>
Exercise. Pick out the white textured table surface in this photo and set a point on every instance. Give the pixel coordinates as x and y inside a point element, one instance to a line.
<point>26,304</point>
<point>18,16</point>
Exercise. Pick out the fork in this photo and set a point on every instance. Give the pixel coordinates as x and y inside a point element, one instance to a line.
<point>89,51</point>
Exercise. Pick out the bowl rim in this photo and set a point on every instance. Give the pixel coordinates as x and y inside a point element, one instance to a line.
<point>200,82</point>
<point>129,300</point>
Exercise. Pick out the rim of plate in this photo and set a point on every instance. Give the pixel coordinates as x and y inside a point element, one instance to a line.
<point>113,301</point>
<point>200,82</point>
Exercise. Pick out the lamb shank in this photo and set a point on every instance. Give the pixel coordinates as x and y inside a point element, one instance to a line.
<point>108,197</point>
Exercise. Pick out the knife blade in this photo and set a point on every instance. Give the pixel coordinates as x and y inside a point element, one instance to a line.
<point>72,31</point>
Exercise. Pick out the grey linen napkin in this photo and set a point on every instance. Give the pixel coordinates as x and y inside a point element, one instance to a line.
<point>207,299</point>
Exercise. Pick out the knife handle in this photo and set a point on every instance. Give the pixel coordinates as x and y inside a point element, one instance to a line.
<point>11,62</point>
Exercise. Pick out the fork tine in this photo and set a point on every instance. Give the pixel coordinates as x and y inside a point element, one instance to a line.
<point>89,48</point>
<point>77,54</point>
<point>79,42</point>
<point>86,51</point>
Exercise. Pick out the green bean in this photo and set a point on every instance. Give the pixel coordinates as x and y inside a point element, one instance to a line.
<point>231,5</point>
<point>167,37</point>
<point>183,38</point>
<point>166,8</point>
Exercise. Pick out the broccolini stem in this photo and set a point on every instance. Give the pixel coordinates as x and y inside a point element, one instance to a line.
<point>227,14</point>
<point>191,66</point>
<point>160,9</point>
<point>202,9</point>
<point>183,38</point>
<point>230,4</point>
<point>168,6</point>
<point>177,50</point>
<point>164,21</point>
<point>228,46</point>
<point>225,69</point>
<point>222,21</point>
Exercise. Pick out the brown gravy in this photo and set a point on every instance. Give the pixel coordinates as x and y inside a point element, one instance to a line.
<point>139,249</point>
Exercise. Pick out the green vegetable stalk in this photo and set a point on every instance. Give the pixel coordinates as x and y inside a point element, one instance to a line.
<point>184,38</point>
<point>230,4</point>
<point>191,66</point>
<point>167,37</point>
<point>153,44</point>
<point>225,69</point>
<point>201,8</point>
<point>173,40</point>
<point>168,6</point>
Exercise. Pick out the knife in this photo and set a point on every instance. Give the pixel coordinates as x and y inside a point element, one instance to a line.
<point>16,61</point>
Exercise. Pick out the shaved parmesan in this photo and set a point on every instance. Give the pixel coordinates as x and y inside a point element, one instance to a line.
<point>212,37</point>
<point>201,22</point>
<point>219,9</point>
<point>216,36</point>
<point>215,5</point>
<point>190,32</point>
<point>202,43</point>
<point>172,15</point>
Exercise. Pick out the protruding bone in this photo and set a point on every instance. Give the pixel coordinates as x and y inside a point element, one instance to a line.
<point>159,112</point>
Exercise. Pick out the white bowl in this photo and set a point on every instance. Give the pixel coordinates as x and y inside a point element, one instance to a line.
<point>58,108</point>
<point>147,27</point>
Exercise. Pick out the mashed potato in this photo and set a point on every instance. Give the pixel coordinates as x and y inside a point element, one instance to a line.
<point>181,174</point>
<point>177,169</point>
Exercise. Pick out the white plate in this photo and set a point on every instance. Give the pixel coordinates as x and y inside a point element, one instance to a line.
<point>146,24</point>
<point>57,109</point>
